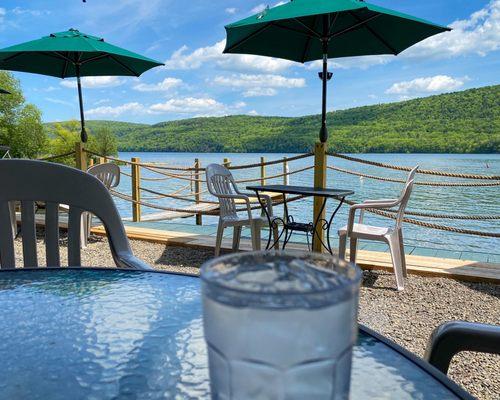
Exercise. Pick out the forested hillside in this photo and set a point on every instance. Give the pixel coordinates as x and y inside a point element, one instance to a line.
<point>461,122</point>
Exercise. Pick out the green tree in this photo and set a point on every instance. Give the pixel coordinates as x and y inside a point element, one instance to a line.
<point>105,142</point>
<point>20,124</point>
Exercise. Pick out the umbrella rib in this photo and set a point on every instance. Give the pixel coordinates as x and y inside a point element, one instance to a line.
<point>94,58</point>
<point>123,65</point>
<point>355,26</point>
<point>380,38</point>
<point>292,29</point>
<point>65,68</point>
<point>13,56</point>
<point>308,42</point>
<point>313,32</point>
<point>332,24</point>
<point>239,43</point>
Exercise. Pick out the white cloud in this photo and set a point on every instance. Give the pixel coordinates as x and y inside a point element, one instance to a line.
<point>59,101</point>
<point>163,86</point>
<point>263,80</point>
<point>2,14</point>
<point>101,101</point>
<point>258,8</point>
<point>433,84</point>
<point>189,105</point>
<point>252,112</point>
<point>24,11</point>
<point>260,92</point>
<point>113,112</point>
<point>364,62</point>
<point>259,85</point>
<point>480,34</point>
<point>197,106</point>
<point>181,59</point>
<point>231,10</point>
<point>94,82</point>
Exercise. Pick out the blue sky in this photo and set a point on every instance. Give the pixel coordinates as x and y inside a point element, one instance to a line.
<point>199,81</point>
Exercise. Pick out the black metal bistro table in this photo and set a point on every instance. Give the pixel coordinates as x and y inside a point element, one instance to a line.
<point>74,333</point>
<point>288,223</point>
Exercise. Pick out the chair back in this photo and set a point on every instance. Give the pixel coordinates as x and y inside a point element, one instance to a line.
<point>52,184</point>
<point>405,197</point>
<point>220,181</point>
<point>108,174</point>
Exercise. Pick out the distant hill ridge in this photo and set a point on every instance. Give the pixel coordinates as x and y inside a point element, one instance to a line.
<point>460,122</point>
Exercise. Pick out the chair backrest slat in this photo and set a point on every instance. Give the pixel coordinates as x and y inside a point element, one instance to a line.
<point>28,232</point>
<point>405,197</point>
<point>220,181</point>
<point>52,235</point>
<point>74,232</point>
<point>108,174</point>
<point>7,258</point>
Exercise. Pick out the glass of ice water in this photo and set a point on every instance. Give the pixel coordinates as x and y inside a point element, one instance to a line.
<point>280,325</point>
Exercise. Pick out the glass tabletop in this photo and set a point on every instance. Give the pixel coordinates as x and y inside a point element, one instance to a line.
<point>106,334</point>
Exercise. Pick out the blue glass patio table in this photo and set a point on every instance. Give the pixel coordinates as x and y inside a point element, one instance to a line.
<point>108,334</point>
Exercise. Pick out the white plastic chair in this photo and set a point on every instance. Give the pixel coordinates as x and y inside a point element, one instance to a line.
<point>109,175</point>
<point>393,236</point>
<point>221,184</point>
<point>53,185</point>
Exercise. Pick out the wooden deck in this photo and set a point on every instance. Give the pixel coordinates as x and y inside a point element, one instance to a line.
<point>468,270</point>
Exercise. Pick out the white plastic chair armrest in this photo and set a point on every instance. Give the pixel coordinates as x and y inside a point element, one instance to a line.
<point>380,200</point>
<point>129,261</point>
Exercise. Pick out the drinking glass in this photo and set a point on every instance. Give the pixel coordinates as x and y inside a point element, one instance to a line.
<point>280,325</point>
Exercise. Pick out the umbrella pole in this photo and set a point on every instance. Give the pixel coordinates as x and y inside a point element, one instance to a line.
<point>320,158</point>
<point>83,134</point>
<point>323,134</point>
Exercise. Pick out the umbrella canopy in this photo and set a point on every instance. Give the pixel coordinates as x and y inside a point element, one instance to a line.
<point>307,30</point>
<point>74,54</point>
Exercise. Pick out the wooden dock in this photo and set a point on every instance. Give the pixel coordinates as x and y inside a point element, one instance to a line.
<point>468,270</point>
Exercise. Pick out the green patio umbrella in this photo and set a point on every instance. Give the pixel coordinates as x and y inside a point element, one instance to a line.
<point>306,30</point>
<point>74,54</point>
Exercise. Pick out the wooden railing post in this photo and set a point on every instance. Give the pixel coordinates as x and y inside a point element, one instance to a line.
<point>136,191</point>
<point>320,183</point>
<point>197,189</point>
<point>286,177</point>
<point>80,157</point>
<point>262,171</point>
<point>227,163</point>
<point>102,160</point>
<point>91,162</point>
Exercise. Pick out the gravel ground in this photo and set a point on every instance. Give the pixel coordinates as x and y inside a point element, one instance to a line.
<point>406,317</point>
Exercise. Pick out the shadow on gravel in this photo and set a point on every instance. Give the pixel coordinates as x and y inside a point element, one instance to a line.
<point>370,281</point>
<point>488,288</point>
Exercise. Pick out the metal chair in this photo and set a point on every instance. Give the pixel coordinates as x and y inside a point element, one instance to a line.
<point>221,184</point>
<point>393,236</point>
<point>29,181</point>
<point>453,337</point>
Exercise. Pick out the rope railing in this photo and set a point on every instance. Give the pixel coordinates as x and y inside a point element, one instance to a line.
<point>384,179</point>
<point>278,161</point>
<point>420,171</point>
<point>128,198</point>
<point>194,175</point>
<point>55,157</point>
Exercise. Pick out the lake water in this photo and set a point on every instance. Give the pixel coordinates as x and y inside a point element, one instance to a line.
<point>444,200</point>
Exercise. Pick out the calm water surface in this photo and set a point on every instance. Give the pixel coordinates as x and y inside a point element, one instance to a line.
<point>445,200</point>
